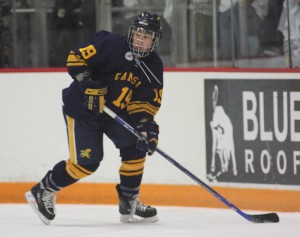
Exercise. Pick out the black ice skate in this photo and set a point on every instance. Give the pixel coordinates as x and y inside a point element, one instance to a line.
<point>43,202</point>
<point>133,211</point>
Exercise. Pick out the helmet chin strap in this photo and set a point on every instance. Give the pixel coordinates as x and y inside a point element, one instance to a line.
<point>140,53</point>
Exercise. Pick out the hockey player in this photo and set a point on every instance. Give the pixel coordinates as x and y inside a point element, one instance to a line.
<point>126,75</point>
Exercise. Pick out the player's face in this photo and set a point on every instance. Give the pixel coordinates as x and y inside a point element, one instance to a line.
<point>142,39</point>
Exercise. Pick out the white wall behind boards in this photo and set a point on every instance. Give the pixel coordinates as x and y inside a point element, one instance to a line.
<point>33,136</point>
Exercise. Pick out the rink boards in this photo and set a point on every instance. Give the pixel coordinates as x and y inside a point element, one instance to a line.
<point>243,142</point>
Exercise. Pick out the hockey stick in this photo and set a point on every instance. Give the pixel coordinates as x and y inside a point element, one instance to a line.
<point>260,218</point>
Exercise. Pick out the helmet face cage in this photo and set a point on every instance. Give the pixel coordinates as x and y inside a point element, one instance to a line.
<point>144,26</point>
<point>141,35</point>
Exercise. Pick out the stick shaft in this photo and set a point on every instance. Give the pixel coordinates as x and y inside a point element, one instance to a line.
<point>252,218</point>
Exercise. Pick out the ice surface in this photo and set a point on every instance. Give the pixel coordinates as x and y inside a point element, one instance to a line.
<point>19,220</point>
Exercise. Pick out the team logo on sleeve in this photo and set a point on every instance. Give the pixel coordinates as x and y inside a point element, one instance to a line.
<point>129,56</point>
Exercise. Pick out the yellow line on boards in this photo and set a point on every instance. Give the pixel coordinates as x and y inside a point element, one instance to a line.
<point>165,195</point>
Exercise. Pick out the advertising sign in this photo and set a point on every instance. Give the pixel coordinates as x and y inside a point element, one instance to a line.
<point>253,130</point>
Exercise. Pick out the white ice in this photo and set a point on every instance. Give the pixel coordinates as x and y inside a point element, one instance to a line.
<point>19,220</point>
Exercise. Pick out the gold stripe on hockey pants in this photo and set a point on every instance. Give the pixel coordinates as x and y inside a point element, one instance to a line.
<point>71,138</point>
<point>77,171</point>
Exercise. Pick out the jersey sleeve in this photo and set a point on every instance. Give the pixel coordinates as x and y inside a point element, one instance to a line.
<point>84,58</point>
<point>147,101</point>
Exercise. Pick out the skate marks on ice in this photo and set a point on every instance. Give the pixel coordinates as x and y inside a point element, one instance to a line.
<point>103,220</point>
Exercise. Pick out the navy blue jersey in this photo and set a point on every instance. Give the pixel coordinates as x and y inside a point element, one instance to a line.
<point>134,86</point>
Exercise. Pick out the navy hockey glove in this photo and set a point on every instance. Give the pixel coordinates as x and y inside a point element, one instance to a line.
<point>94,93</point>
<point>149,141</point>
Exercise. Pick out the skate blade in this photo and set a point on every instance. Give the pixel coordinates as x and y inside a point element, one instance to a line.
<point>135,219</point>
<point>32,202</point>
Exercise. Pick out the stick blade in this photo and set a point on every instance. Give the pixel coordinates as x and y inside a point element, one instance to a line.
<point>264,218</point>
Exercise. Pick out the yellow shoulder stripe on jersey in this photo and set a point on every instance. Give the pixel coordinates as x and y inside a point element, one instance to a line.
<point>141,106</point>
<point>75,60</point>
